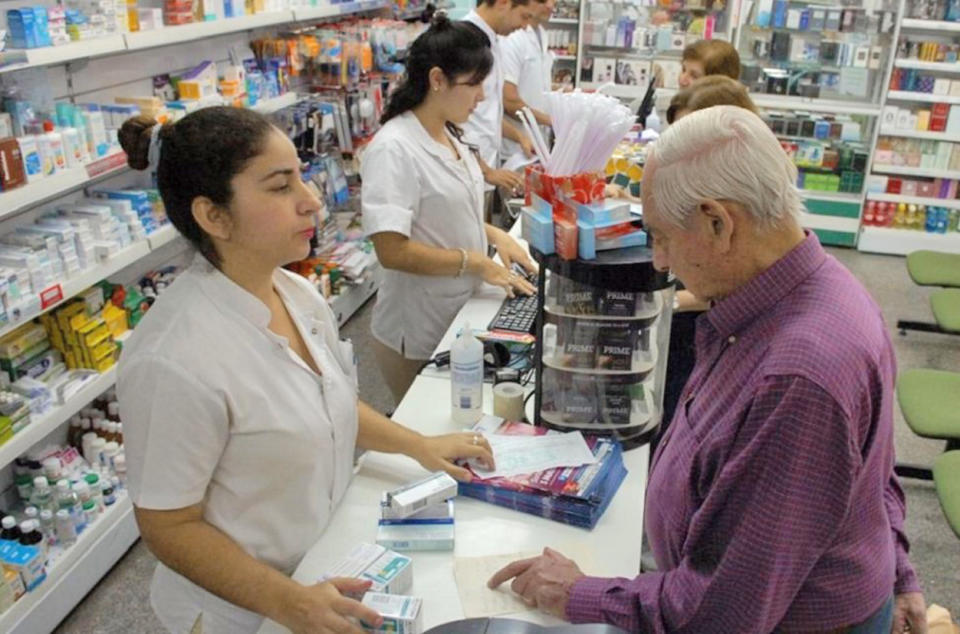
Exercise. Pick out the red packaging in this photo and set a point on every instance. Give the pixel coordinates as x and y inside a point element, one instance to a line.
<point>894,185</point>
<point>583,188</point>
<point>565,237</point>
<point>938,117</point>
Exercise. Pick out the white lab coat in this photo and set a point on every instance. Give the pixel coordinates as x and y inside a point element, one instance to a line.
<point>414,186</point>
<point>527,64</point>
<point>484,129</point>
<point>219,411</point>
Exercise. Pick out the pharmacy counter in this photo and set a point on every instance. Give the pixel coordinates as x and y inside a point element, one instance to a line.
<point>481,529</point>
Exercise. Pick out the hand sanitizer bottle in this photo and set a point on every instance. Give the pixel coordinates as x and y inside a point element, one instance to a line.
<point>466,385</point>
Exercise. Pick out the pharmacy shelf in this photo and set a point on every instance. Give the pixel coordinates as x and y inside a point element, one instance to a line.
<point>949,203</point>
<point>915,171</point>
<point>903,241</point>
<point>836,197</point>
<point>162,236</point>
<point>201,30</point>
<point>570,21</point>
<point>920,134</point>
<point>565,58</point>
<point>926,97</point>
<point>71,576</point>
<point>304,14</point>
<point>939,67</point>
<point>85,280</point>
<point>352,298</point>
<point>41,426</point>
<point>269,106</point>
<point>915,24</point>
<point>781,102</point>
<point>49,55</point>
<point>22,198</point>
<point>829,223</point>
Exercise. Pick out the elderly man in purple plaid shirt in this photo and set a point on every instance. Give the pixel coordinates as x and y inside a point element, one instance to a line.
<point>772,504</point>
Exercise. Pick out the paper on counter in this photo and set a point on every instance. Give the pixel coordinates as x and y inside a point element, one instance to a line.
<point>516,455</point>
<point>472,574</point>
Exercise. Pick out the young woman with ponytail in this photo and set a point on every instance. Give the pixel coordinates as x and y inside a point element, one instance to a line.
<point>423,202</point>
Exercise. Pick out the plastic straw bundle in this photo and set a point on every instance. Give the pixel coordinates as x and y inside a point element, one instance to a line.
<point>588,127</point>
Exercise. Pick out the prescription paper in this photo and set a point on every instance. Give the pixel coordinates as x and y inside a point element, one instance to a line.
<point>516,455</point>
<point>472,574</point>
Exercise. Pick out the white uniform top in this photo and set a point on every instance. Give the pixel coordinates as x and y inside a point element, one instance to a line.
<point>413,185</point>
<point>484,128</point>
<point>218,410</point>
<point>528,65</point>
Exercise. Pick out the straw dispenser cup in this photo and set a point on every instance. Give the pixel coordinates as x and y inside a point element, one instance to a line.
<point>566,212</point>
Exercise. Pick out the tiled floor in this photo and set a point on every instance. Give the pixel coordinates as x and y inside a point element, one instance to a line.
<point>120,603</point>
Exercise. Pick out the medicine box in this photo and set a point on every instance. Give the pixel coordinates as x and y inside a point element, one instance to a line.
<point>26,561</point>
<point>537,230</point>
<point>389,572</point>
<point>415,496</point>
<point>418,535</point>
<point>441,511</point>
<point>401,614</point>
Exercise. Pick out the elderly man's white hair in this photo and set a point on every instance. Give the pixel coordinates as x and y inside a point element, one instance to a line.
<point>722,153</point>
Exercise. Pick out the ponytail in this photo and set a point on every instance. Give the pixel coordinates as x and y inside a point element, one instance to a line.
<point>455,47</point>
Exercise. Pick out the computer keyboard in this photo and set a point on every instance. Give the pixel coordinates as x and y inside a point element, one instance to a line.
<point>517,314</point>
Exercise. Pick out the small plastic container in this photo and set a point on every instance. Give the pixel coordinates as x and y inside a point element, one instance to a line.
<point>65,527</point>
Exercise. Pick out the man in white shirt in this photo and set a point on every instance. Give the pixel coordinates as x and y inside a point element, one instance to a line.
<point>486,127</point>
<point>527,75</point>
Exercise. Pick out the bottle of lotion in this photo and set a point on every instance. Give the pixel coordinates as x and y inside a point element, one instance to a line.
<point>51,148</point>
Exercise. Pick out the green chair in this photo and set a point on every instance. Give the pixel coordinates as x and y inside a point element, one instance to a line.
<point>930,402</point>
<point>946,477</point>
<point>934,268</point>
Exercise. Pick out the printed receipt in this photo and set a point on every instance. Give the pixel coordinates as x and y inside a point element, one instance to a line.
<point>515,455</point>
<point>472,574</point>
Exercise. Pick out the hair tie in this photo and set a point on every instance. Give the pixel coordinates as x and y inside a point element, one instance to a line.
<point>153,153</point>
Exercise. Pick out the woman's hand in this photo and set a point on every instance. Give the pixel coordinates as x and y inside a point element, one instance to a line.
<point>323,608</point>
<point>511,181</point>
<point>438,453</point>
<point>506,279</point>
<point>509,249</point>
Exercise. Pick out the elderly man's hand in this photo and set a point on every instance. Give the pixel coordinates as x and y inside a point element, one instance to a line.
<point>544,581</point>
<point>909,614</point>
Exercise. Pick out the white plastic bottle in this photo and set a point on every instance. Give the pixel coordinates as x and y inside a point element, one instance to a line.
<point>32,160</point>
<point>71,146</point>
<point>51,148</point>
<point>466,385</point>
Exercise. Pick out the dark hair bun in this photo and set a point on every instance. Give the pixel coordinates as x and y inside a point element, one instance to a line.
<point>441,21</point>
<point>134,138</point>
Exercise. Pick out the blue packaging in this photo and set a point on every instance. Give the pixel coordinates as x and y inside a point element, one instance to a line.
<point>822,129</point>
<point>779,14</point>
<point>41,28</point>
<point>20,23</point>
<point>805,19</point>
<point>605,212</point>
<point>537,230</point>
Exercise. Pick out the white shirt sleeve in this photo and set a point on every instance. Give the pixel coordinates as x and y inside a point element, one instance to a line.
<point>175,430</point>
<point>390,194</point>
<point>512,55</point>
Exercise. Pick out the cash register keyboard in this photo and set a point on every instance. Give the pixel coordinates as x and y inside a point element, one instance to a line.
<point>517,314</point>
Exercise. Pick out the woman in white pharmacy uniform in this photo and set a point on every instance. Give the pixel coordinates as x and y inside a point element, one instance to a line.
<point>239,399</point>
<point>422,202</point>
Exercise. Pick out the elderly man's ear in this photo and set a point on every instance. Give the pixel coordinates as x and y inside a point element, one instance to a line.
<point>721,220</point>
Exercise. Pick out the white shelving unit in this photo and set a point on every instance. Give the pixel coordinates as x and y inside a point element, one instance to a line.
<point>949,203</point>
<point>61,54</point>
<point>568,21</point>
<point>915,171</point>
<point>41,426</point>
<point>920,134</point>
<point>75,572</point>
<point>86,279</point>
<point>921,97</point>
<point>913,24</point>
<point>937,67</point>
<point>779,102</point>
<point>350,300</point>
<point>903,241</point>
<point>14,59</point>
<point>30,195</point>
